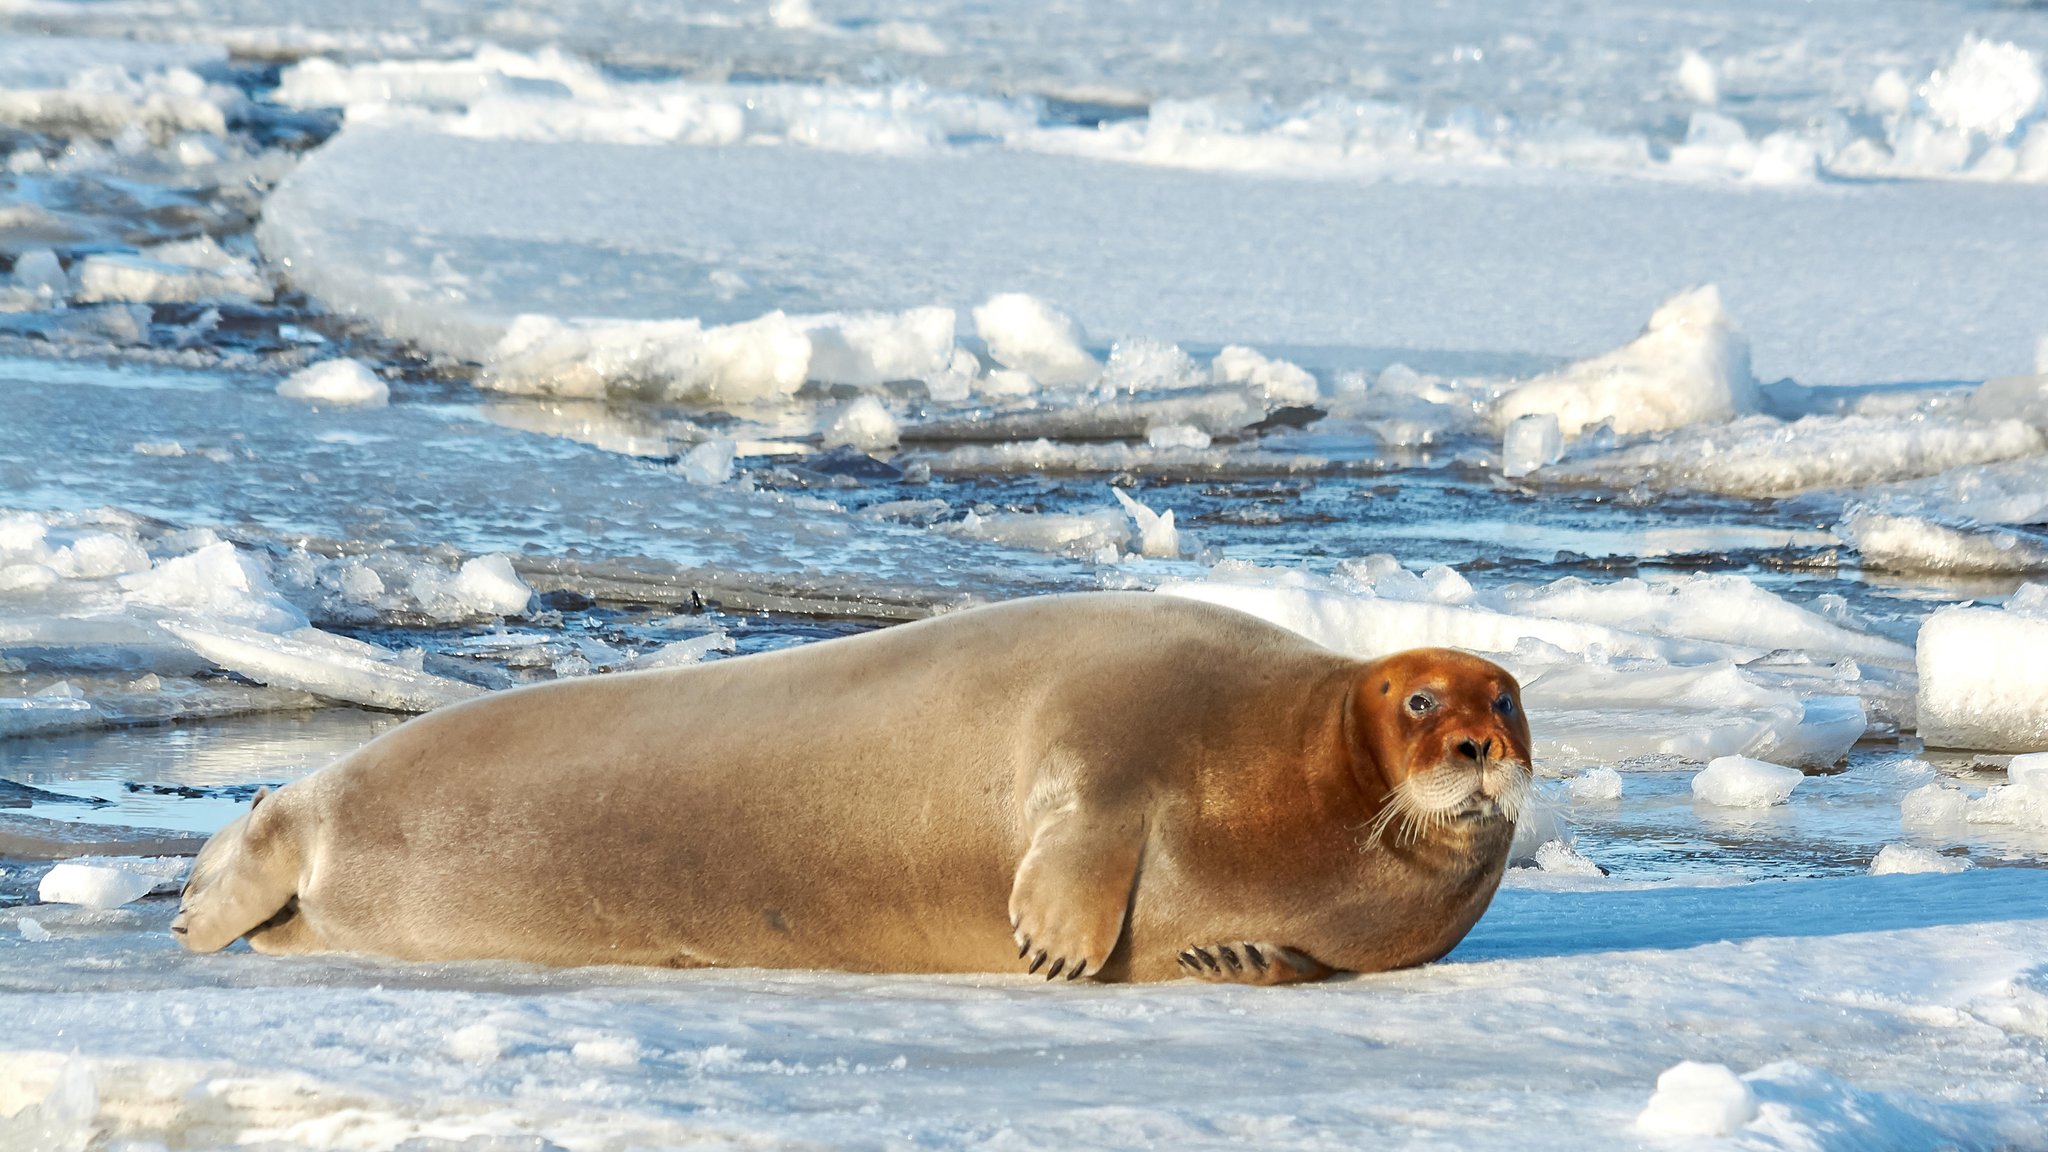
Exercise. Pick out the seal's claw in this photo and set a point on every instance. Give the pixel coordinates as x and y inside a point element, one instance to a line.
<point>1261,963</point>
<point>1058,966</point>
<point>1036,961</point>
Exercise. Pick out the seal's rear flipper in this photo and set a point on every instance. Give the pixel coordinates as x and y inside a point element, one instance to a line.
<point>1073,890</point>
<point>247,873</point>
<point>1250,962</point>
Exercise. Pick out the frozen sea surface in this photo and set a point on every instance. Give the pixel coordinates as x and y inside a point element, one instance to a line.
<point>357,360</point>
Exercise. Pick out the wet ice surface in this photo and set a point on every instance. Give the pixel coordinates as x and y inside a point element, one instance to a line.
<point>625,394</point>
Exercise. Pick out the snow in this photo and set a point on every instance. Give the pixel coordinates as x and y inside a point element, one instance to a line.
<point>1982,682</point>
<point>1740,782</point>
<point>337,382</point>
<point>1689,366</point>
<point>1695,1099</point>
<point>1902,1011</point>
<point>1911,859</point>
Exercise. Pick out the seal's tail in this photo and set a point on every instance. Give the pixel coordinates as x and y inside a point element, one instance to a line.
<point>247,873</point>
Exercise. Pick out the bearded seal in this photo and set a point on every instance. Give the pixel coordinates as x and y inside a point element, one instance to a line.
<point>1122,786</point>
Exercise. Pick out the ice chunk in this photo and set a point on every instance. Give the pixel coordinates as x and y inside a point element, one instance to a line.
<point>1596,784</point>
<point>864,424</point>
<point>1936,802</point>
<point>218,581</point>
<point>93,885</point>
<point>1983,683</point>
<point>32,930</point>
<point>1531,442</point>
<point>1096,536</point>
<point>1760,456</point>
<point>1696,79</point>
<point>2012,398</point>
<point>1027,334</point>
<point>323,664</point>
<point>40,278</point>
<point>1919,544</point>
<point>337,382</point>
<point>1277,381</point>
<point>492,588</point>
<point>866,349</point>
<point>1988,87</point>
<point>1903,859</point>
<point>709,463</point>
<point>1156,534</point>
<point>1728,608</point>
<point>2023,801</point>
<point>1176,436</point>
<point>2011,492</point>
<point>1694,1099</point>
<point>1560,858</point>
<point>1740,782</point>
<point>479,1043</point>
<point>1689,366</point>
<point>685,652</point>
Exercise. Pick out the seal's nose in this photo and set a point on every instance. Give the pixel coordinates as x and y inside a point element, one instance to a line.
<point>1475,751</point>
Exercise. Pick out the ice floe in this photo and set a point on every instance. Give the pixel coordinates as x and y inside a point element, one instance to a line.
<point>699,243</point>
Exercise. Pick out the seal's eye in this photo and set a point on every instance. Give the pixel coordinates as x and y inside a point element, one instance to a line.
<point>1421,702</point>
<point>1505,705</point>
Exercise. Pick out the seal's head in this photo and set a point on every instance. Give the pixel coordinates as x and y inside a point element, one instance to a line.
<point>1444,733</point>
<point>231,887</point>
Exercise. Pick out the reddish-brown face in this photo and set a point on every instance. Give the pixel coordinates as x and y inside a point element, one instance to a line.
<point>1444,730</point>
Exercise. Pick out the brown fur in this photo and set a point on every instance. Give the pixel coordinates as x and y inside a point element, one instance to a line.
<point>1127,785</point>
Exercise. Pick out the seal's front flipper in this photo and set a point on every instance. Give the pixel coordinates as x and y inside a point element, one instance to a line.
<point>1247,962</point>
<point>1073,890</point>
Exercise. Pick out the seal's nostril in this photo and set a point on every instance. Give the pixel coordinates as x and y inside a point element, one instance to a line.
<point>1468,749</point>
<point>1489,745</point>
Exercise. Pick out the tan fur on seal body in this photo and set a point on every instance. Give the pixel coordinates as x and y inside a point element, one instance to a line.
<point>1140,786</point>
